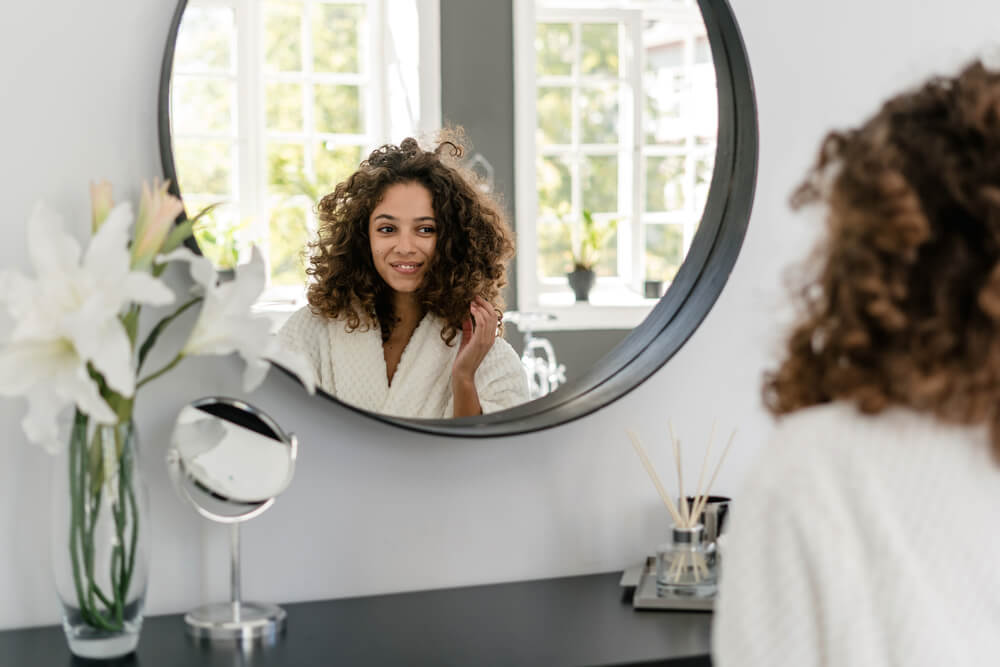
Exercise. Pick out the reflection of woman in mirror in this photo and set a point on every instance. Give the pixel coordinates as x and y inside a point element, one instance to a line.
<point>404,303</point>
<point>867,534</point>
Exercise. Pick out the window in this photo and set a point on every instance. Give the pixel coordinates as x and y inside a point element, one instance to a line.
<point>274,102</point>
<point>618,108</point>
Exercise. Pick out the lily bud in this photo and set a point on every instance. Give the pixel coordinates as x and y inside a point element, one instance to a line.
<point>100,204</point>
<point>157,212</point>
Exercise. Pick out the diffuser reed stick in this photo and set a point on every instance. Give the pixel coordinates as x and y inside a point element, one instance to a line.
<point>687,517</point>
<point>653,476</point>
<point>700,506</point>
<point>685,509</point>
<point>704,464</point>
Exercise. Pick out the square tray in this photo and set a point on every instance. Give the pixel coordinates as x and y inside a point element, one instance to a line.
<point>642,578</point>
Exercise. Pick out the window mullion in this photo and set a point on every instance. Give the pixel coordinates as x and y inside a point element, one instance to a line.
<point>526,154</point>
<point>308,109</point>
<point>636,261</point>
<point>689,143</point>
<point>576,155</point>
<point>248,120</point>
<point>374,74</point>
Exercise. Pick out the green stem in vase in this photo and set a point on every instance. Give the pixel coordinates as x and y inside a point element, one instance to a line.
<point>92,581</point>
<point>117,609</point>
<point>76,509</point>
<point>135,536</point>
<point>120,508</point>
<point>90,502</point>
<point>89,487</point>
<point>104,463</point>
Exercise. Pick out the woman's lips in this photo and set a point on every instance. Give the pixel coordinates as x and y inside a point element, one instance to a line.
<point>406,268</point>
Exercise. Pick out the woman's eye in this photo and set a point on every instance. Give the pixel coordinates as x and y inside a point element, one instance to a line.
<point>427,229</point>
<point>386,229</point>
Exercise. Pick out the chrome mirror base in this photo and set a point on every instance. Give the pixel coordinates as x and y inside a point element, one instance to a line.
<point>241,622</point>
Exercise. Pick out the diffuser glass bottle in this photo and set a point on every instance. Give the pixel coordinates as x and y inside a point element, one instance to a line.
<point>685,565</point>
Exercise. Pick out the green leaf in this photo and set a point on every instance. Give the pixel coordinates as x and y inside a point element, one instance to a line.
<point>158,329</point>
<point>178,235</point>
<point>586,251</point>
<point>205,211</point>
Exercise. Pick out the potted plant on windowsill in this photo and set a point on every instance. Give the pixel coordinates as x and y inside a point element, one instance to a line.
<point>585,252</point>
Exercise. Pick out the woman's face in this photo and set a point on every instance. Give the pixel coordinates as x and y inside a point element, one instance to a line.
<point>403,233</point>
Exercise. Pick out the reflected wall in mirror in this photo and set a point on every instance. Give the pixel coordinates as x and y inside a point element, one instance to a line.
<point>272,102</point>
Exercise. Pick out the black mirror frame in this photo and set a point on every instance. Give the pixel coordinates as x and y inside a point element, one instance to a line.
<point>693,292</point>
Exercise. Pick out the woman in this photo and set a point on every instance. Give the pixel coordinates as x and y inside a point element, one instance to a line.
<point>867,535</point>
<point>404,303</point>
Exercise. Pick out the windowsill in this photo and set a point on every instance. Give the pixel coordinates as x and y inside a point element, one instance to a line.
<point>277,308</point>
<point>607,308</point>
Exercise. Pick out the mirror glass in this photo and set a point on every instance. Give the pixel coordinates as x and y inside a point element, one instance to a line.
<point>273,102</point>
<point>228,459</point>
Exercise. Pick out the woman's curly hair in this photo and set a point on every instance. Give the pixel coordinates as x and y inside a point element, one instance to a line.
<point>474,241</point>
<point>904,305</point>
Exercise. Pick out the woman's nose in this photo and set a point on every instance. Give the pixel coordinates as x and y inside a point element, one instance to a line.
<point>406,243</point>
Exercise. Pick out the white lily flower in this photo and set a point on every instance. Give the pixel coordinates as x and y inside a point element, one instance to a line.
<point>227,324</point>
<point>52,377</point>
<point>68,317</point>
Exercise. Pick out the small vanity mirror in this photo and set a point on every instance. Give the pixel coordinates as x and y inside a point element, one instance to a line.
<point>230,461</point>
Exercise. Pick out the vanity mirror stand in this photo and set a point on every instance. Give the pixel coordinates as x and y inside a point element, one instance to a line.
<point>237,620</point>
<point>230,461</point>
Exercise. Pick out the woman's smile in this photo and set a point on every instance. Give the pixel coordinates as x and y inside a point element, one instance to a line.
<point>406,268</point>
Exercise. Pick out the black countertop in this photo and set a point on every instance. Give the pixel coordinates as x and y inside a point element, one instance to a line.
<point>583,620</point>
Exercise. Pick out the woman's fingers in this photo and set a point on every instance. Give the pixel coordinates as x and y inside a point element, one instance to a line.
<point>482,322</point>
<point>490,312</point>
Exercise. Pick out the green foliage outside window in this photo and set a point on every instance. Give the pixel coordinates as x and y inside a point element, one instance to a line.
<point>282,36</point>
<point>664,251</point>
<point>591,241</point>
<point>599,48</point>
<point>337,109</point>
<point>335,37</point>
<point>283,106</point>
<point>554,49</point>
<point>204,41</point>
<point>222,241</point>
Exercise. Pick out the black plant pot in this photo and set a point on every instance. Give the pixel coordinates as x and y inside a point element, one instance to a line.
<point>581,281</point>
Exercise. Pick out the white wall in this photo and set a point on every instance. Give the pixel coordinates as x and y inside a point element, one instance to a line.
<point>374,509</point>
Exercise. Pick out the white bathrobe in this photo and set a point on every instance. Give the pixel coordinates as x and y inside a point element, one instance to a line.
<point>351,366</point>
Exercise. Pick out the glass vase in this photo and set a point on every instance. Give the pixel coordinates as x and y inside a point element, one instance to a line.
<point>686,566</point>
<point>100,533</point>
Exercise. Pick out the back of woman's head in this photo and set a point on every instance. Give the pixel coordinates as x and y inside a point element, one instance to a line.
<point>473,244</point>
<point>903,307</point>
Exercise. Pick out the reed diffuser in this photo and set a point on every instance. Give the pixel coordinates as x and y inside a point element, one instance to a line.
<point>685,565</point>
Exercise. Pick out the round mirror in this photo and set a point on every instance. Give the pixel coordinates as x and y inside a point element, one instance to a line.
<point>620,136</point>
<point>230,461</point>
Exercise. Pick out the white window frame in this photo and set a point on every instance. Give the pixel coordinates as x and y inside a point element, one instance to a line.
<point>414,80</point>
<point>689,217</point>
<point>616,302</point>
<point>371,84</point>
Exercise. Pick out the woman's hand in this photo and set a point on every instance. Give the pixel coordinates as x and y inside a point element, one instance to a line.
<point>478,334</point>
